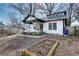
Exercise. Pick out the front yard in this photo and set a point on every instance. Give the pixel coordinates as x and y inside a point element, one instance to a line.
<point>16,44</point>
<point>67,45</point>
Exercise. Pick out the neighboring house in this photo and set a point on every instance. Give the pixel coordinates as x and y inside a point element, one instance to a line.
<point>57,23</point>
<point>2,28</point>
<point>1,25</point>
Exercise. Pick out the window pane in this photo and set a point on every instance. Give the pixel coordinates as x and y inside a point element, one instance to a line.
<point>50,26</point>
<point>54,26</point>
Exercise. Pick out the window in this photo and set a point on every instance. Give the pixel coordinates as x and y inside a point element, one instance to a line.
<point>54,26</point>
<point>50,26</point>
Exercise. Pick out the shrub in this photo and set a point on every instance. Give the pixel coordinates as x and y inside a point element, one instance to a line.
<point>34,33</point>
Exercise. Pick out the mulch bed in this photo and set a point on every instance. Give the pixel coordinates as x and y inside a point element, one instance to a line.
<point>42,48</point>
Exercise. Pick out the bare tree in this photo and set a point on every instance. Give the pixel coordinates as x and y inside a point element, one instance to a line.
<point>75,16</point>
<point>24,9</point>
<point>76,12</point>
<point>14,21</point>
<point>50,8</point>
<point>47,8</point>
<point>70,11</point>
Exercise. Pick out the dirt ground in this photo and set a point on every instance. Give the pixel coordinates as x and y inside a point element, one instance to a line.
<point>68,45</point>
<point>16,45</point>
<point>3,35</point>
<point>42,48</point>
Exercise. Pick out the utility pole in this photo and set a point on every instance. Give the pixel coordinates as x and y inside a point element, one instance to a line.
<point>70,12</point>
<point>70,15</point>
<point>30,9</point>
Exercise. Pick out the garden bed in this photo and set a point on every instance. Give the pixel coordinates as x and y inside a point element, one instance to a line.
<point>33,34</point>
<point>42,48</point>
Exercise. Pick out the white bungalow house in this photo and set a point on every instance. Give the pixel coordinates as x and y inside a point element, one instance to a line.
<point>56,23</point>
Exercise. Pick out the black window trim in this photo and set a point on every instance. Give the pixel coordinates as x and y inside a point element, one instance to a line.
<point>54,26</point>
<point>50,26</point>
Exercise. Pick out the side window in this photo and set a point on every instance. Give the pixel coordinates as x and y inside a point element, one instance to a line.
<point>54,26</point>
<point>50,26</point>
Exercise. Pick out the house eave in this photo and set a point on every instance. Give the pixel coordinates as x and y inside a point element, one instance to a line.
<point>56,19</point>
<point>32,20</point>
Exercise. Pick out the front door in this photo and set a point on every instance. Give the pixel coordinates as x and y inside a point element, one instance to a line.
<point>65,31</point>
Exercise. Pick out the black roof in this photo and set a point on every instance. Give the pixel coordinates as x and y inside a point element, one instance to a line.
<point>24,20</point>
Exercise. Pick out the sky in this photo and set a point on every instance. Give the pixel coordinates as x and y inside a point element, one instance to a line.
<point>4,10</point>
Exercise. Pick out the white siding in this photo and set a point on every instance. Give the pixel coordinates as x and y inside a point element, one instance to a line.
<point>59,27</point>
<point>31,29</point>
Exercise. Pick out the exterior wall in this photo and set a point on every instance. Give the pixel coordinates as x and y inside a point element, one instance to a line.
<point>36,25</point>
<point>59,27</point>
<point>32,27</point>
<point>29,28</point>
<point>46,28</point>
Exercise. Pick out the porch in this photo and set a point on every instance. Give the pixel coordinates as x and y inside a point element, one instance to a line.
<point>33,25</point>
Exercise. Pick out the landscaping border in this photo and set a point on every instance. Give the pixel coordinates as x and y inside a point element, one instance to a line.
<point>31,36</point>
<point>51,52</point>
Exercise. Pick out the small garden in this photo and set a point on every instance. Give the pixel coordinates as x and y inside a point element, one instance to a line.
<point>42,48</point>
<point>65,47</point>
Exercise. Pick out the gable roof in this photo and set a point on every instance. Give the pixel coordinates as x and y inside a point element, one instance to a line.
<point>31,18</point>
<point>58,15</point>
<point>52,17</point>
